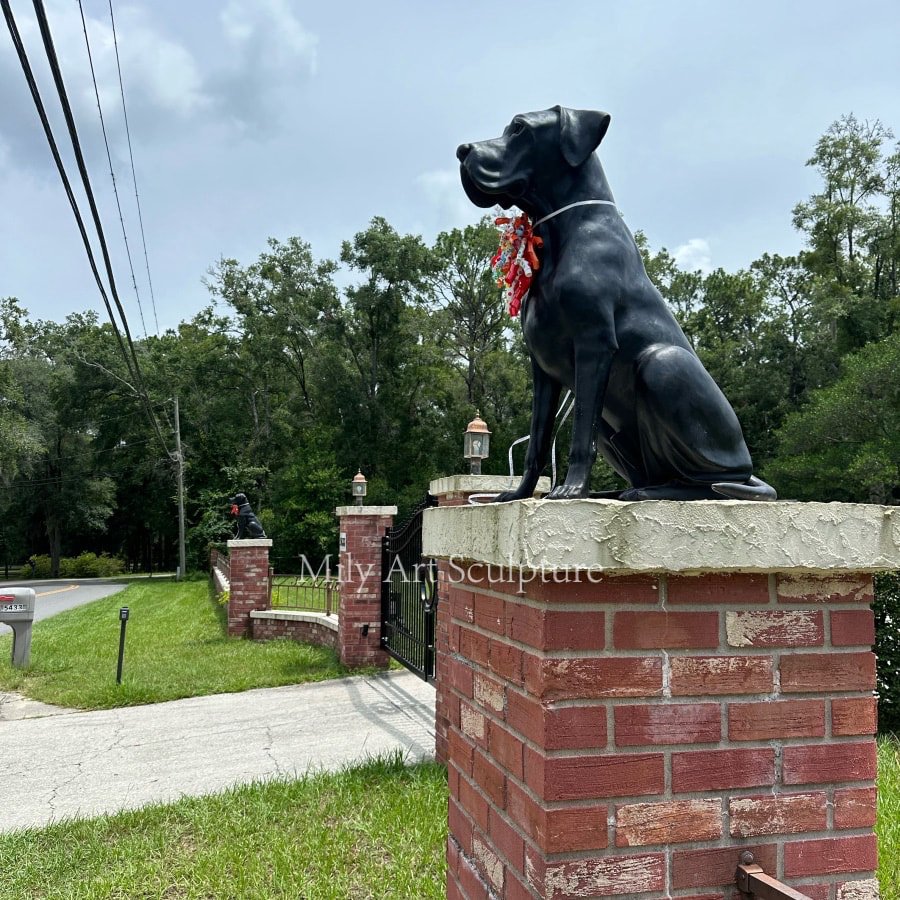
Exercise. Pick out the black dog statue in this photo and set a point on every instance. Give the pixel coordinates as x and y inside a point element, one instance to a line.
<point>248,525</point>
<point>594,323</point>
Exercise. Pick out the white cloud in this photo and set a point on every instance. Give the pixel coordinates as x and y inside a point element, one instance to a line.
<point>163,69</point>
<point>269,53</point>
<point>268,31</point>
<point>443,191</point>
<point>162,82</point>
<point>158,71</point>
<point>694,256</point>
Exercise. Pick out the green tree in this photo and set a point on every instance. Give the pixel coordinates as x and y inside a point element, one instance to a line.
<point>683,291</point>
<point>65,490</point>
<point>305,493</point>
<point>18,441</point>
<point>472,317</point>
<point>845,443</point>
<point>386,378</point>
<point>279,304</point>
<point>848,231</point>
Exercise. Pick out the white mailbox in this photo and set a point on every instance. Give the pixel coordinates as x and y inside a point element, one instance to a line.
<point>17,611</point>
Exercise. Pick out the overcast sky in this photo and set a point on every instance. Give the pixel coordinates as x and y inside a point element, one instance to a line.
<point>258,118</point>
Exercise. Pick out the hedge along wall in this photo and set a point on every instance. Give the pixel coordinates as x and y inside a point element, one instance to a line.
<point>887,650</point>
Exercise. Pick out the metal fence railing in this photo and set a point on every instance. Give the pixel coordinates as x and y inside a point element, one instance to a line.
<point>311,593</point>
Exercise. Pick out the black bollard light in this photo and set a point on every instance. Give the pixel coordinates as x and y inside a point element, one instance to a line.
<point>123,618</point>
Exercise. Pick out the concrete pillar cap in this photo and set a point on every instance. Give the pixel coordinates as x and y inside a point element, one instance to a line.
<point>342,511</point>
<point>668,536</point>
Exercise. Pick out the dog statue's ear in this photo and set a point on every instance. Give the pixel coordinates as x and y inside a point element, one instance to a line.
<point>581,131</point>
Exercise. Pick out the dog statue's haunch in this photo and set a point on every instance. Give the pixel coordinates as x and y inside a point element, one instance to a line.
<point>594,323</point>
<point>248,526</point>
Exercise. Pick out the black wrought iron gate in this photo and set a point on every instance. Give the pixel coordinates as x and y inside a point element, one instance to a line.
<point>409,595</point>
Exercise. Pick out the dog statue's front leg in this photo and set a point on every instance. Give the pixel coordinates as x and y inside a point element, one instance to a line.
<point>543,411</point>
<point>592,367</point>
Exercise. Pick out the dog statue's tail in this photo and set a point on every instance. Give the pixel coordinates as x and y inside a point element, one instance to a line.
<point>753,489</point>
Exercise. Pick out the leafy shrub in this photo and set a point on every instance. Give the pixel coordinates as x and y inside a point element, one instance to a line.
<point>887,647</point>
<point>89,565</point>
<point>85,565</point>
<point>41,567</point>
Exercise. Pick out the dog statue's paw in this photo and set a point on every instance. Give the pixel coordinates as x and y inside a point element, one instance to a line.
<point>568,492</point>
<point>508,496</point>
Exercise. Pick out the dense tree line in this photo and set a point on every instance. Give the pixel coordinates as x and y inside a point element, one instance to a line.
<point>288,384</point>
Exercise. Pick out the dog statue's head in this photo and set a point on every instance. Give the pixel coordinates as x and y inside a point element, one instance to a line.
<point>534,148</point>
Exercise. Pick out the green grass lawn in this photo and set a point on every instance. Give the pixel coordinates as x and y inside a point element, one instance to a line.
<point>176,647</point>
<point>374,831</point>
<point>888,824</point>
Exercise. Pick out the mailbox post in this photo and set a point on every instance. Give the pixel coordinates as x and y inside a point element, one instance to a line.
<point>17,611</point>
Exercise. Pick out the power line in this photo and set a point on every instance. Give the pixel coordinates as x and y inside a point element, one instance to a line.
<point>112,173</point>
<point>53,61</point>
<point>54,149</point>
<point>44,482</point>
<point>56,71</point>
<point>98,450</point>
<point>91,423</point>
<point>137,199</point>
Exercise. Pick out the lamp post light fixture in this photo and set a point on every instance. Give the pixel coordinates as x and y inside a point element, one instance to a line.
<point>358,487</point>
<point>476,443</point>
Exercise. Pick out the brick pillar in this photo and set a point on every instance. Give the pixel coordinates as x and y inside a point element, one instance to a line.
<point>249,582</point>
<point>455,490</point>
<point>362,528</point>
<point>615,730</point>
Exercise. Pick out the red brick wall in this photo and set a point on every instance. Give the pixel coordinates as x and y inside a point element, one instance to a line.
<point>637,734</point>
<point>249,587</point>
<point>443,701</point>
<point>441,632</point>
<point>294,630</point>
<point>360,603</point>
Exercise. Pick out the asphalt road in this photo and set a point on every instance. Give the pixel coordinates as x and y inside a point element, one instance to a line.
<point>54,597</point>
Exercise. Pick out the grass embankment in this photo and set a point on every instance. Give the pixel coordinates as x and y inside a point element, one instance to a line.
<point>888,824</point>
<point>176,646</point>
<point>374,831</point>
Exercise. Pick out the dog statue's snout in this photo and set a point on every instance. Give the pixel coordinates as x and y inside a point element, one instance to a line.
<point>462,151</point>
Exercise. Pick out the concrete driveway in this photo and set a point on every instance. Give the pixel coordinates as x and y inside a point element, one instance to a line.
<point>86,763</point>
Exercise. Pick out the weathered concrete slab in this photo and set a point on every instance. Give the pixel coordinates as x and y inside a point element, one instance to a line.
<point>667,536</point>
<point>88,763</point>
<point>14,706</point>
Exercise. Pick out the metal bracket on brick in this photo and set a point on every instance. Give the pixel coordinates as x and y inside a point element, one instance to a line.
<point>751,880</point>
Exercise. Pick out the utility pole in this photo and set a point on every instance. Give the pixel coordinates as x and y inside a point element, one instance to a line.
<point>179,460</point>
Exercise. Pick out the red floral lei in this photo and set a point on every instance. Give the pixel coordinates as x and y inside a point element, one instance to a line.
<point>516,261</point>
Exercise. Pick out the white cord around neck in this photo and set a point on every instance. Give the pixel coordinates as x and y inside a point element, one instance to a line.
<point>572,206</point>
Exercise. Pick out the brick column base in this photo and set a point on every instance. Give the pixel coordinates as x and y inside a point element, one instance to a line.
<point>634,734</point>
<point>455,490</point>
<point>249,583</point>
<point>359,613</point>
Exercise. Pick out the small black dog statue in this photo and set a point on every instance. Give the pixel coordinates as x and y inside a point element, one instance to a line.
<point>248,525</point>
